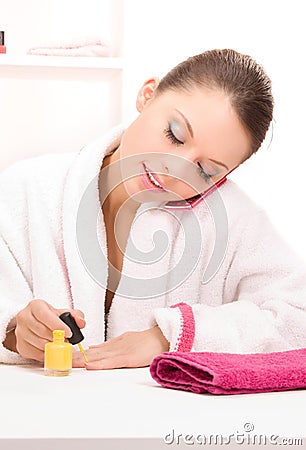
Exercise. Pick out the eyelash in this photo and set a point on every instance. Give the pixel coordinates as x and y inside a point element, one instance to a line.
<point>203,174</point>
<point>173,139</point>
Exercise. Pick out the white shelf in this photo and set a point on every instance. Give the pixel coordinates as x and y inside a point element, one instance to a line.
<point>79,62</point>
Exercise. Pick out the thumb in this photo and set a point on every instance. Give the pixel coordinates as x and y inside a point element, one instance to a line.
<point>76,314</point>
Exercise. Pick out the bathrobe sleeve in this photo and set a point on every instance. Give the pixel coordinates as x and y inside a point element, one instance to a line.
<point>263,308</point>
<point>15,289</point>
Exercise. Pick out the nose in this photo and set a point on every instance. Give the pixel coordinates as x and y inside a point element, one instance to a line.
<point>177,162</point>
<point>183,166</point>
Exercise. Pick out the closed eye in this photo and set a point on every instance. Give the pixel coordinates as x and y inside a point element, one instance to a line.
<point>203,174</point>
<point>171,136</point>
<point>174,140</point>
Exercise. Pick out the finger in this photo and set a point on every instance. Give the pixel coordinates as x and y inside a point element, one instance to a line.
<point>94,354</point>
<point>98,345</point>
<point>77,314</point>
<point>30,352</point>
<point>36,354</point>
<point>114,362</point>
<point>26,337</point>
<point>105,349</point>
<point>35,341</point>
<point>112,343</point>
<point>39,329</point>
<point>80,321</point>
<point>78,359</point>
<point>50,319</point>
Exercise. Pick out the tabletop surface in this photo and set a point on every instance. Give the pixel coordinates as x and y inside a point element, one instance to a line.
<point>129,403</point>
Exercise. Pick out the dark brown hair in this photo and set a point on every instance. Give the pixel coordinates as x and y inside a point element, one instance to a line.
<point>239,76</point>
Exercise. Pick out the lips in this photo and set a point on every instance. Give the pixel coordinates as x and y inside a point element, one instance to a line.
<point>151,180</point>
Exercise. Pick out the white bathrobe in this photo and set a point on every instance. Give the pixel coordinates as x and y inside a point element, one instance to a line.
<point>53,247</point>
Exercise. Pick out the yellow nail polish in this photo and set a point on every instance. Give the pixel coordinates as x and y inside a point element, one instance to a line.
<point>83,352</point>
<point>58,355</point>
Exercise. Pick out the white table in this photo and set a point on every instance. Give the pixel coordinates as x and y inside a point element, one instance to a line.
<point>128,403</point>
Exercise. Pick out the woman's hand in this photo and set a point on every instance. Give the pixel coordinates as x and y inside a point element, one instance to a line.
<point>131,349</point>
<point>35,324</point>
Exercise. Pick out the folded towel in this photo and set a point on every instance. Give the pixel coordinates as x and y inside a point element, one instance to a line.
<point>229,373</point>
<point>75,47</point>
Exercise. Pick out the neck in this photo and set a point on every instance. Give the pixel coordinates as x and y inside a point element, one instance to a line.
<point>111,188</point>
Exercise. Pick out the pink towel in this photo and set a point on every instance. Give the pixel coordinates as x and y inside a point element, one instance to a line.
<point>229,373</point>
<point>74,47</point>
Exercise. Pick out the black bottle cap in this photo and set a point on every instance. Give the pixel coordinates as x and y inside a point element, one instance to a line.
<point>1,37</point>
<point>77,335</point>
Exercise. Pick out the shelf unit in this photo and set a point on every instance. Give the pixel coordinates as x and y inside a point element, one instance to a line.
<point>66,100</point>
<point>80,62</point>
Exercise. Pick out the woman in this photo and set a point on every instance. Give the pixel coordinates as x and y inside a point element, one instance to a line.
<point>230,284</point>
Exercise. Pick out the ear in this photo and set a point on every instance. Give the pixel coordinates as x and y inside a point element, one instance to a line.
<point>146,93</point>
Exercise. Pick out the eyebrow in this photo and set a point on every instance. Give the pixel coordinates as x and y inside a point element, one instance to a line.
<point>191,133</point>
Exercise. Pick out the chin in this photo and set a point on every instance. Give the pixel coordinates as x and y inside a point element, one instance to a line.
<point>138,193</point>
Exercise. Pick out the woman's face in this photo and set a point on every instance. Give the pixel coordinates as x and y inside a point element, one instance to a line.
<point>176,137</point>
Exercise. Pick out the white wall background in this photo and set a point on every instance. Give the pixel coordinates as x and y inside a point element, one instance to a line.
<point>156,36</point>
<point>55,110</point>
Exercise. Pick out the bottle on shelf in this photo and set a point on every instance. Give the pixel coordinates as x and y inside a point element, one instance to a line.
<point>2,46</point>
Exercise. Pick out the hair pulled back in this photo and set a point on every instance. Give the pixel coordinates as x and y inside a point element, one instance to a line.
<point>239,76</point>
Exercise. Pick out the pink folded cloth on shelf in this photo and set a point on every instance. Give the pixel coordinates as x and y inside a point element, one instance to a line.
<point>229,373</point>
<point>76,47</point>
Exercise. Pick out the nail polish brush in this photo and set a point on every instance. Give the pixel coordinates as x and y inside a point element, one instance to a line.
<point>77,335</point>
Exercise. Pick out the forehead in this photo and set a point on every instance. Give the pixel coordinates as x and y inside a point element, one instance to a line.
<point>216,127</point>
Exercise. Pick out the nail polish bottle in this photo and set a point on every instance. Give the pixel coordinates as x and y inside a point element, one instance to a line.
<point>58,355</point>
<point>2,46</point>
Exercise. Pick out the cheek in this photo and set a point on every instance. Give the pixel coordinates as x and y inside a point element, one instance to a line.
<point>151,146</point>
<point>145,135</point>
<point>183,189</point>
